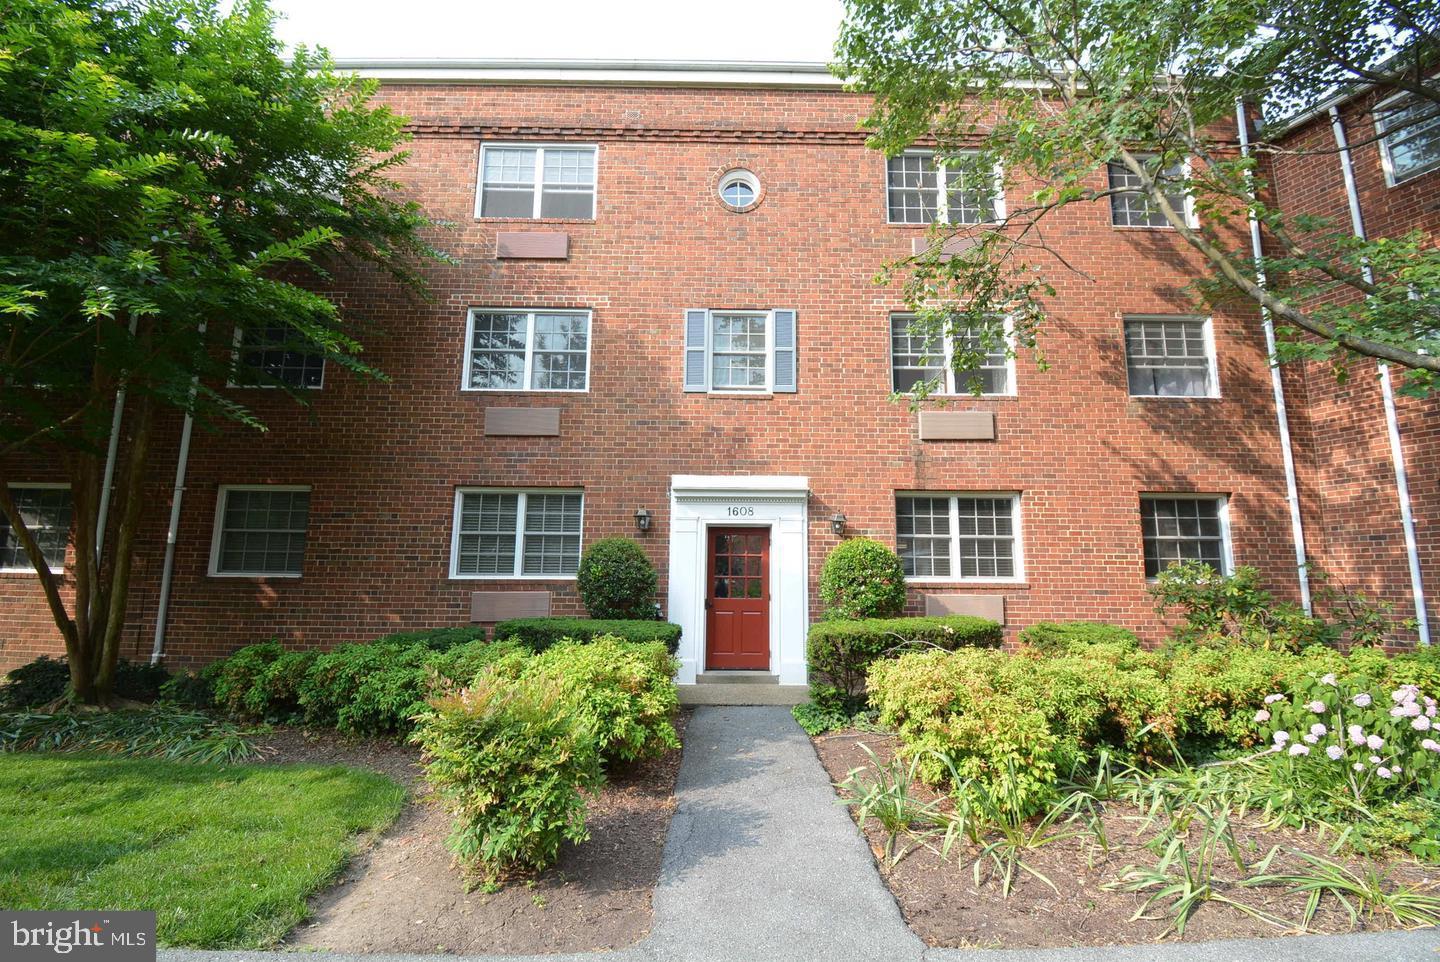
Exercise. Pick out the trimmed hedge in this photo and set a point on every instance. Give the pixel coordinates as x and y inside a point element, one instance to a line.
<point>616,580</point>
<point>862,578</point>
<point>840,652</point>
<point>1058,637</point>
<point>537,634</point>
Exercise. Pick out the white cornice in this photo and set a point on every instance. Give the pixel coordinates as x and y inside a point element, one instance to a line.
<point>631,73</point>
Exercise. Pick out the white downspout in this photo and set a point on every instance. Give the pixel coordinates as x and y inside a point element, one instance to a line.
<point>1387,392</point>
<point>1277,387</point>
<point>112,453</point>
<point>167,572</point>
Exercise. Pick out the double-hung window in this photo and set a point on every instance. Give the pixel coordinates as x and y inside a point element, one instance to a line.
<point>1409,137</point>
<point>922,190</point>
<point>537,181</point>
<point>917,359</point>
<point>503,533</point>
<point>1132,207</point>
<point>260,531</point>
<point>1170,357</point>
<point>740,351</point>
<point>45,509</point>
<point>1184,527</point>
<point>514,350</point>
<point>271,357</point>
<point>959,537</point>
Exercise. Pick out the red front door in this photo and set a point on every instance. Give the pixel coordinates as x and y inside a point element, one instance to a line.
<point>737,599</point>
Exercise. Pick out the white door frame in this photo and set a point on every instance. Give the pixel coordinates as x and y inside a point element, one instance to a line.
<point>777,502</point>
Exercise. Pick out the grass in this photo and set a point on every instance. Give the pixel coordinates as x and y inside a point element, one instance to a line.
<point>225,855</point>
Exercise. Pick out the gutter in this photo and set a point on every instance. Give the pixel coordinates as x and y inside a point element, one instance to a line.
<point>648,73</point>
<point>1277,386</point>
<point>1387,392</point>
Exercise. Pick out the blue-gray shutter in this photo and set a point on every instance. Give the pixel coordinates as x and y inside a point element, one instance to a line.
<point>697,368</point>
<point>784,350</point>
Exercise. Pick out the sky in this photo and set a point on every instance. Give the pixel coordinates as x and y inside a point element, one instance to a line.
<point>787,30</point>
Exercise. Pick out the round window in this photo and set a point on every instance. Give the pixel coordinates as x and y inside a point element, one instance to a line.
<point>739,189</point>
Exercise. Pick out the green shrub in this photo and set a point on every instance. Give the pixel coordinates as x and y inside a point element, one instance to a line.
<point>817,718</point>
<point>1062,637</point>
<point>458,666</point>
<point>190,689</point>
<point>625,691</point>
<point>862,578</point>
<point>617,581</point>
<point>231,679</point>
<point>436,639</point>
<point>152,733</point>
<point>510,758</point>
<point>841,652</point>
<point>46,679</point>
<point>274,695</point>
<point>372,689</point>
<point>537,634</point>
<point>1226,610</point>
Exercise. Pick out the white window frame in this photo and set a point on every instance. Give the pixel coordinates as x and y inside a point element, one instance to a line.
<point>530,312</point>
<point>1212,380</point>
<point>41,486</point>
<point>520,508</point>
<point>1016,521</point>
<point>1191,219</point>
<point>222,497</point>
<point>539,185</point>
<point>235,348</point>
<point>948,389</point>
<point>1227,556</point>
<point>769,387</point>
<point>942,205</point>
<point>1391,178</point>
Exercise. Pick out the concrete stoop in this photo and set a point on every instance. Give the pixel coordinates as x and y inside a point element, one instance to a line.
<point>741,688</point>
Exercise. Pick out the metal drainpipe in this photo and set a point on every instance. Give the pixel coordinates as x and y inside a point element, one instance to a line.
<point>1387,392</point>
<point>167,572</point>
<point>112,453</point>
<point>1277,387</point>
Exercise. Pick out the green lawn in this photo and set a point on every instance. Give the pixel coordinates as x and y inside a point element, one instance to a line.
<point>226,856</point>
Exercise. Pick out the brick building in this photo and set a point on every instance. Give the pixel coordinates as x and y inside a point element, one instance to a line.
<point>664,312</point>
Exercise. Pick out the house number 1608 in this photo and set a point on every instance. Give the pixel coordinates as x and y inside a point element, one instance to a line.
<point>741,512</point>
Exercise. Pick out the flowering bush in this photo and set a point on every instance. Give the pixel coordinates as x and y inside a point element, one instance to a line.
<point>1354,736</point>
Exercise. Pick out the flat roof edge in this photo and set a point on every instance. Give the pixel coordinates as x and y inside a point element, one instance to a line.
<point>605,72</point>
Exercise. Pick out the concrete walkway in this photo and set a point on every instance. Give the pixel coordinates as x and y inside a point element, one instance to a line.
<point>761,865</point>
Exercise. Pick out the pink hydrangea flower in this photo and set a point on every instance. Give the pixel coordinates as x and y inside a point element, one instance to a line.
<point>1281,737</point>
<point>1383,772</point>
<point>1309,738</point>
<point>1262,715</point>
<point>1299,750</point>
<point>1421,724</point>
<point>1327,679</point>
<point>1430,745</point>
<point>1357,735</point>
<point>1318,729</point>
<point>1362,700</point>
<point>1358,766</point>
<point>1375,759</point>
<point>1272,699</point>
<point>1335,752</point>
<point>1375,742</point>
<point>1410,709</point>
<point>1317,706</point>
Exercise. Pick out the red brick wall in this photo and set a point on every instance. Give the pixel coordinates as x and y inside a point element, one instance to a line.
<point>1343,449</point>
<point>384,459</point>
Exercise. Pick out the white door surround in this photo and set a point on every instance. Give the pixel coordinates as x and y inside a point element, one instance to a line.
<point>778,502</point>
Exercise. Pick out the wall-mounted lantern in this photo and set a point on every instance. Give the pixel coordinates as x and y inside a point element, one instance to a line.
<point>837,524</point>
<point>642,519</point>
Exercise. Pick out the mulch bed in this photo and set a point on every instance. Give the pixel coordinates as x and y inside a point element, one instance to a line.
<point>945,907</point>
<point>404,893</point>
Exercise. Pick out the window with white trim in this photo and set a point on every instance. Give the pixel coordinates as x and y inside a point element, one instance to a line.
<point>915,358</point>
<point>959,537</point>
<point>1169,356</point>
<point>1409,136</point>
<point>511,350</point>
<point>46,510</point>
<point>511,533</point>
<point>1133,207</point>
<point>918,193</point>
<point>547,181</point>
<point>260,531</point>
<point>1179,527</point>
<point>739,351</point>
<point>271,357</point>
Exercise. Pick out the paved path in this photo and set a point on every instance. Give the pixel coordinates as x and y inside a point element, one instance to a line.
<point>761,865</point>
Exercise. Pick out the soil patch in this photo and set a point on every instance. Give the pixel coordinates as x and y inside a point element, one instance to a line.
<point>945,907</point>
<point>405,895</point>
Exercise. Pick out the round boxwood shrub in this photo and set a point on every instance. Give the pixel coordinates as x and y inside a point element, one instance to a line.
<point>616,580</point>
<point>863,578</point>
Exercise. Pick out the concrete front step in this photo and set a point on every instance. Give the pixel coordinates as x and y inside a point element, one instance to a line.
<point>730,693</point>
<point>736,678</point>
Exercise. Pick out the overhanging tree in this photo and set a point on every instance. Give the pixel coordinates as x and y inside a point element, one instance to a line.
<point>167,175</point>
<point>1054,92</point>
